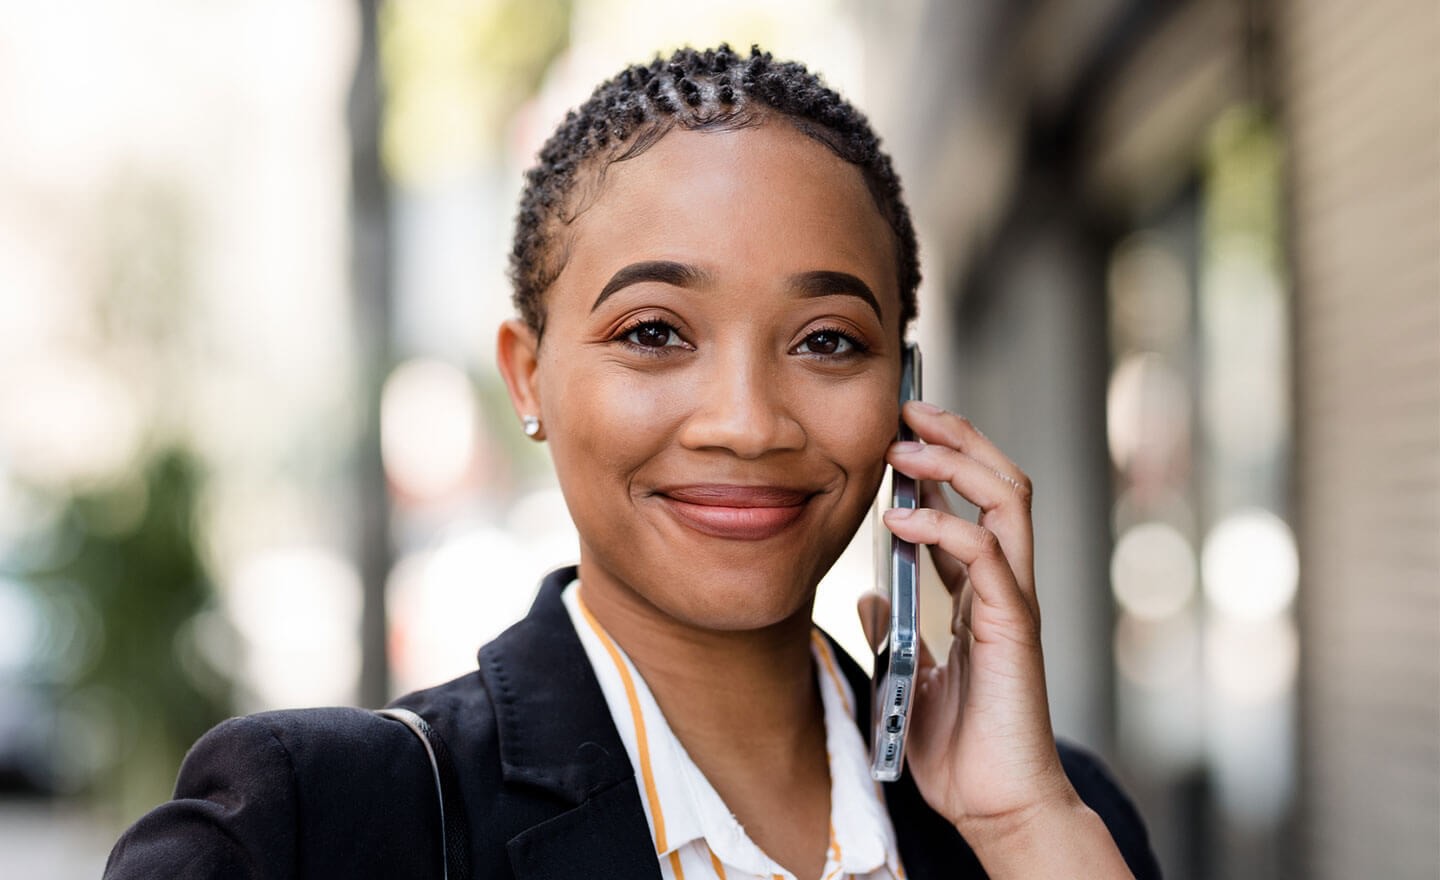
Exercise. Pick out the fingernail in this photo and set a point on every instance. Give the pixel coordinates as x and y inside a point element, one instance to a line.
<point>899,513</point>
<point>907,447</point>
<point>925,407</point>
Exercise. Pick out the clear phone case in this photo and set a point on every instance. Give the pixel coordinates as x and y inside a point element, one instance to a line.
<point>896,573</point>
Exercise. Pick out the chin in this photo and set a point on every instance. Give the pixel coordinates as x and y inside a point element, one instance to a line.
<point>732,586</point>
<point>722,588</point>
<point>734,601</point>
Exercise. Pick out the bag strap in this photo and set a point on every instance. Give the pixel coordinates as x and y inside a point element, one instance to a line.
<point>455,845</point>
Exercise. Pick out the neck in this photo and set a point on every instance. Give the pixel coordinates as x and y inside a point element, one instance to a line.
<point>746,706</point>
<point>716,686</point>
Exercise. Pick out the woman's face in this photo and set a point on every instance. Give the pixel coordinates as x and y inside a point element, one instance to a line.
<point>719,373</point>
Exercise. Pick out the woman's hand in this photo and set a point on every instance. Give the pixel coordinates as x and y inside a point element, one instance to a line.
<point>981,748</point>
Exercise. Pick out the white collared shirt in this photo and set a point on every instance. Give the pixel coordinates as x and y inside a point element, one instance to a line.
<point>695,834</point>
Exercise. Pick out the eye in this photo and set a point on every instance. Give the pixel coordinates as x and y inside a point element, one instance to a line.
<point>651,334</point>
<point>829,343</point>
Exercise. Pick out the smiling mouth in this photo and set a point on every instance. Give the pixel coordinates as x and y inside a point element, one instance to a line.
<point>740,513</point>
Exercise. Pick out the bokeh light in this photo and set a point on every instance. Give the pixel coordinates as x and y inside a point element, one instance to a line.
<point>1251,661</point>
<point>1152,571</point>
<point>1157,654</point>
<point>1249,565</point>
<point>1149,292</point>
<point>1147,417</point>
<point>298,613</point>
<point>445,601</point>
<point>427,428</point>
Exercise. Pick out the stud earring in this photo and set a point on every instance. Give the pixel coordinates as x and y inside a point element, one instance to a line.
<point>532,425</point>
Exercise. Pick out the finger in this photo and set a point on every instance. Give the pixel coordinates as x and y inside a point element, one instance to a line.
<point>953,573</point>
<point>939,698</point>
<point>1004,510</point>
<point>977,482</point>
<point>935,425</point>
<point>991,577</point>
<point>963,610</point>
<point>951,570</point>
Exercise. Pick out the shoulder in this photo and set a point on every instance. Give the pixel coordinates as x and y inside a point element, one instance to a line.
<point>261,795</point>
<point>316,750</point>
<point>1099,790</point>
<point>462,712</point>
<point>462,702</point>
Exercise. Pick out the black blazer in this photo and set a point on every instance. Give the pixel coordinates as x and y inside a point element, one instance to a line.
<point>548,789</point>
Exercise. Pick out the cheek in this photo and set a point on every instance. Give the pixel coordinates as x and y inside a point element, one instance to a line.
<point>601,419</point>
<point>856,428</point>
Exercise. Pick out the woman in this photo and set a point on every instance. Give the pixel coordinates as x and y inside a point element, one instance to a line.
<point>714,272</point>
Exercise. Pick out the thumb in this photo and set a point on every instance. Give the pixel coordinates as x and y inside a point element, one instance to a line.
<point>874,611</point>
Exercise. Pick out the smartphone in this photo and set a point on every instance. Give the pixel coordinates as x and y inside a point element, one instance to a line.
<point>897,575</point>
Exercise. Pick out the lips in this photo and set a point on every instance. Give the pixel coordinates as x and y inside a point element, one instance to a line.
<point>741,513</point>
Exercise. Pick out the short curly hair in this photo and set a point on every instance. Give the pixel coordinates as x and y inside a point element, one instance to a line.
<point>714,89</point>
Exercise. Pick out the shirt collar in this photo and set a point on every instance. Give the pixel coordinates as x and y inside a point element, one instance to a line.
<point>682,806</point>
<point>859,823</point>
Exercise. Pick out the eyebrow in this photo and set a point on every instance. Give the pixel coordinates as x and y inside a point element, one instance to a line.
<point>663,271</point>
<point>823,282</point>
<point>819,282</point>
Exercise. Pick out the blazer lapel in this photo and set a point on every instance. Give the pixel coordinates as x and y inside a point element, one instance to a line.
<point>556,736</point>
<point>606,836</point>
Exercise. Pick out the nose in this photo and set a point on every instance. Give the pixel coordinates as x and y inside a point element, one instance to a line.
<point>741,406</point>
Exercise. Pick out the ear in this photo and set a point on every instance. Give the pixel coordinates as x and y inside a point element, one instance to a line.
<point>517,355</point>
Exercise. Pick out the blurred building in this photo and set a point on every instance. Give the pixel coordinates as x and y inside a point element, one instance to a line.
<point>1184,259</point>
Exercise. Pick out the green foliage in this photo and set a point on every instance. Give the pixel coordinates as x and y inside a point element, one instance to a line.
<point>136,686</point>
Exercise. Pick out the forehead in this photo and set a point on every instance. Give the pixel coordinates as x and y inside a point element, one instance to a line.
<point>746,204</point>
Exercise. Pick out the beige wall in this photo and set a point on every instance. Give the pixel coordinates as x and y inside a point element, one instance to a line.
<point>1360,93</point>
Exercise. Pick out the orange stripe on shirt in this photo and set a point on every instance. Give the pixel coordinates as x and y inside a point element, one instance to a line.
<point>642,741</point>
<point>829,661</point>
<point>675,865</point>
<point>716,864</point>
<point>834,854</point>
